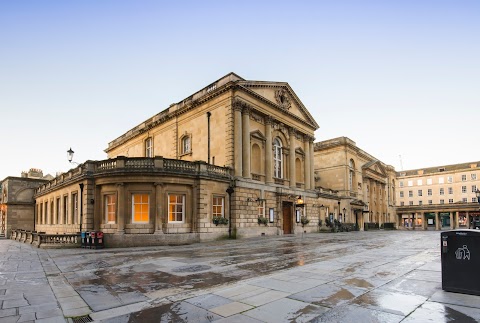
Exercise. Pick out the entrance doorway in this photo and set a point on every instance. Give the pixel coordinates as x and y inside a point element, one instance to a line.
<point>287,208</point>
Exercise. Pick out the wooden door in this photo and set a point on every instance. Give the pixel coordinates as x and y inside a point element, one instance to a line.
<point>287,218</point>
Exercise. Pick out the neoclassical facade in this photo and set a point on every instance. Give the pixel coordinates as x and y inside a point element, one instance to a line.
<point>441,197</point>
<point>365,185</point>
<point>237,149</point>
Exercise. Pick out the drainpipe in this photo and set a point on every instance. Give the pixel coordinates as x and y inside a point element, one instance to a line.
<point>230,192</point>
<point>208,120</point>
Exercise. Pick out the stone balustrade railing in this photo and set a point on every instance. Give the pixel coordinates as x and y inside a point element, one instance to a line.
<point>44,240</point>
<point>138,164</point>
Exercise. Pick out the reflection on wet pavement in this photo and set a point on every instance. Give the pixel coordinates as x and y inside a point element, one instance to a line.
<point>346,277</point>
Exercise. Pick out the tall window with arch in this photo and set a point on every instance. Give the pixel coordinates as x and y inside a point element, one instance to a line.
<point>186,145</point>
<point>149,147</point>
<point>277,158</point>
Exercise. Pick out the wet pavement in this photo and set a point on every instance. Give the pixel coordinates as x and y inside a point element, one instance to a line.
<point>374,276</point>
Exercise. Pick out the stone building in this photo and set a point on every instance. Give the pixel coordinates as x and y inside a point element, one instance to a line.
<point>17,208</point>
<point>441,197</point>
<point>236,149</point>
<point>365,185</point>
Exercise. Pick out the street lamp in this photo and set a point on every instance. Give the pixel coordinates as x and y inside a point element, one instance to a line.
<point>344,212</point>
<point>70,153</point>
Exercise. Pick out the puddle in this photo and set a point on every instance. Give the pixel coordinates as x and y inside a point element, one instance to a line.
<point>358,282</point>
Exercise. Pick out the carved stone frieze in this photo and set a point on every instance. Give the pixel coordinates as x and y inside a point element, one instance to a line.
<point>283,99</point>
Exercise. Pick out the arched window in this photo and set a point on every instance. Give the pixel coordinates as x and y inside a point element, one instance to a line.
<point>148,147</point>
<point>186,145</point>
<point>277,158</point>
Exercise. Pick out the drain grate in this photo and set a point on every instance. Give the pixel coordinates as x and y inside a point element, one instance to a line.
<point>82,319</point>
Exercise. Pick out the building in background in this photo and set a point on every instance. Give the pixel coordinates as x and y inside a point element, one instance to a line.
<point>441,197</point>
<point>365,185</point>
<point>17,205</point>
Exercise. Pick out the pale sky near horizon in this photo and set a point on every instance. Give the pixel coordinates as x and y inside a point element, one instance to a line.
<point>400,78</point>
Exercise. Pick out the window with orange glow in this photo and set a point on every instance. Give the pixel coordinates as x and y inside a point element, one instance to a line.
<point>140,206</point>
<point>176,208</point>
<point>110,208</point>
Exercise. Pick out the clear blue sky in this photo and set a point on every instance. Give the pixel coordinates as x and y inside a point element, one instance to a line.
<point>397,77</point>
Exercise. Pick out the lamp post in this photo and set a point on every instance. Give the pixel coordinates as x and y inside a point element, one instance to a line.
<point>344,213</point>
<point>70,153</point>
<point>230,191</point>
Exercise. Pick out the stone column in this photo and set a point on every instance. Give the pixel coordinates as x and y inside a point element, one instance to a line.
<point>437,221</point>
<point>237,129</point>
<point>121,209</point>
<point>307,163</point>
<point>452,225</point>
<point>293,182</point>
<point>312,164</point>
<point>158,225</point>
<point>268,150</point>
<point>246,142</point>
<point>468,219</point>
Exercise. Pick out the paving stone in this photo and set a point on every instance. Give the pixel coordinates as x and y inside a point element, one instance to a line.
<point>208,301</point>
<point>396,303</point>
<point>237,290</point>
<point>283,286</point>
<point>264,298</point>
<point>238,318</point>
<point>9,303</point>
<point>426,275</point>
<point>37,308</point>
<point>328,295</point>
<point>437,312</point>
<point>8,312</point>
<point>413,286</point>
<point>78,311</point>
<point>230,309</point>
<point>55,319</point>
<point>27,317</point>
<point>49,313</point>
<point>456,299</point>
<point>286,310</point>
<point>356,314</point>
<point>40,299</point>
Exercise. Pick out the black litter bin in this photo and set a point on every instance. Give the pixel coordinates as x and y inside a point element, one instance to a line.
<point>460,254</point>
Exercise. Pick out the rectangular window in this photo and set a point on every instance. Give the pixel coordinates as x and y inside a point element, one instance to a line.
<point>400,184</point>
<point>410,202</point>
<point>429,181</point>
<point>110,208</point>
<point>442,191</point>
<point>148,148</point>
<point>402,203</point>
<point>176,208</point>
<point>450,201</point>
<point>410,183</point>
<point>419,182</point>
<point>464,178</point>
<point>75,208</point>
<point>473,176</point>
<point>429,192</point>
<point>59,212</point>
<point>420,193</point>
<point>218,205</point>
<point>410,193</point>
<point>430,202</point>
<point>474,188</point>
<point>450,190</point>
<point>442,201</point>
<point>261,209</point>
<point>465,200</point>
<point>464,189</point>
<point>449,179</point>
<point>65,209</point>
<point>140,208</point>
<point>420,202</point>
<point>440,180</point>
<point>401,193</point>
<point>474,200</point>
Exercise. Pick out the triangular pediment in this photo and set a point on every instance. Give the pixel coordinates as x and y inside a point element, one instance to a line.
<point>281,96</point>
<point>374,169</point>
<point>258,135</point>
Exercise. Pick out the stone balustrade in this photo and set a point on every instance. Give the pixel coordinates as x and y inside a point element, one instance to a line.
<point>43,240</point>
